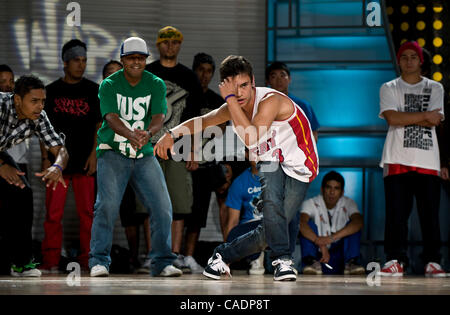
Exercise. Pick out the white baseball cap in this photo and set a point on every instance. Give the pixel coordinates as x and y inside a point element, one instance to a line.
<point>133,45</point>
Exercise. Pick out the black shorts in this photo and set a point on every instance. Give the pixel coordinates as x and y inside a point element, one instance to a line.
<point>203,183</point>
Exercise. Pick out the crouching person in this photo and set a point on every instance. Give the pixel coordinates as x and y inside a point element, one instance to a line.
<point>330,227</point>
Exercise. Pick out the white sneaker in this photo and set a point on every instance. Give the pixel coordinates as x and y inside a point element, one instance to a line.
<point>257,265</point>
<point>170,271</point>
<point>216,267</point>
<point>193,265</point>
<point>99,271</point>
<point>28,270</point>
<point>32,273</point>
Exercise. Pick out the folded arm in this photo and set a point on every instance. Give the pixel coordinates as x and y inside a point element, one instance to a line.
<point>425,119</point>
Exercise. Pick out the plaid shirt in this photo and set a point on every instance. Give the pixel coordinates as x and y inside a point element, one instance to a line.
<point>13,131</point>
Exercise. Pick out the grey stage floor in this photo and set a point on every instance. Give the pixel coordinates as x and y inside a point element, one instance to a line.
<point>239,284</point>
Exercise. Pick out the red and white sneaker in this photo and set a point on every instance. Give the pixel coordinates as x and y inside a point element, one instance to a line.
<point>434,270</point>
<point>392,269</point>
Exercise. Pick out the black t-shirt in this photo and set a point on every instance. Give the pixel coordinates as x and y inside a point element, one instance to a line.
<point>74,110</point>
<point>184,94</point>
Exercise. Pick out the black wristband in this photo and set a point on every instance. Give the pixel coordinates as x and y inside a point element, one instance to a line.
<point>149,133</point>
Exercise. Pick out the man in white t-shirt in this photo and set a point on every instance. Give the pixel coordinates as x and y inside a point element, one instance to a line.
<point>413,106</point>
<point>330,227</point>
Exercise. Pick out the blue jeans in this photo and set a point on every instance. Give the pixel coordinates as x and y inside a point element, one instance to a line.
<point>340,252</point>
<point>241,229</point>
<point>114,171</point>
<point>282,197</point>
<point>246,227</point>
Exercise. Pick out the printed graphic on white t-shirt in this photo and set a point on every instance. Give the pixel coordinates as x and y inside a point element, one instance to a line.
<point>132,113</point>
<point>417,136</point>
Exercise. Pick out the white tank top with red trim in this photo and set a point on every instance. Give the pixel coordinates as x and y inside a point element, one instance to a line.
<point>290,142</point>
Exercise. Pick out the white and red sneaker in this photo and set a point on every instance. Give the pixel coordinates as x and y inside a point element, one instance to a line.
<point>434,270</point>
<point>392,269</point>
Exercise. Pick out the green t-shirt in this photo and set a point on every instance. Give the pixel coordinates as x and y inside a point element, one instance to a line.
<point>135,106</point>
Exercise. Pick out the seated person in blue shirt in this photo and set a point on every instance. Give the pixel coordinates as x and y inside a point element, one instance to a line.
<point>243,212</point>
<point>278,77</point>
<point>330,228</point>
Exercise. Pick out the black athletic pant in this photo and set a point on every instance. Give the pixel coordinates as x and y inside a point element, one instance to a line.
<point>400,191</point>
<point>16,220</point>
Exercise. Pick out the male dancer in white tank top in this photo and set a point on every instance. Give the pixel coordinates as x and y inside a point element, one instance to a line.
<point>277,133</point>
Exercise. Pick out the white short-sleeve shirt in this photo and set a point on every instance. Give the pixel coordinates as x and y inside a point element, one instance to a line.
<point>411,145</point>
<point>329,221</point>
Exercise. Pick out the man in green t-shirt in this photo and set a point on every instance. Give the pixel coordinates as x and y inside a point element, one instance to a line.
<point>133,107</point>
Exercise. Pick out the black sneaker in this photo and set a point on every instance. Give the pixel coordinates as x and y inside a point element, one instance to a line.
<point>216,267</point>
<point>283,270</point>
